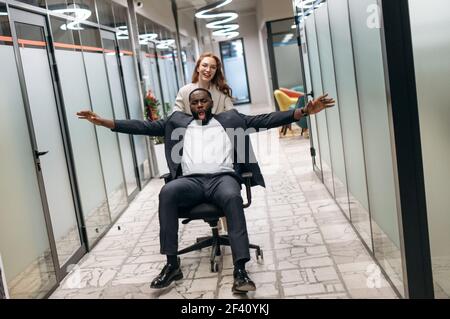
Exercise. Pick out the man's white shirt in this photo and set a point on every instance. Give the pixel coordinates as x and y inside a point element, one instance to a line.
<point>207,149</point>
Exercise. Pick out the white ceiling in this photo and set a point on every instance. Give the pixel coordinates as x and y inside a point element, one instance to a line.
<point>240,6</point>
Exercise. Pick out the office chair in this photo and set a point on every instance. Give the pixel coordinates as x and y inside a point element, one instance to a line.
<point>299,99</point>
<point>284,103</point>
<point>211,215</point>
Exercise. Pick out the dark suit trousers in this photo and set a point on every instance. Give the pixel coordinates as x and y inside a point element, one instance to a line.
<point>222,190</point>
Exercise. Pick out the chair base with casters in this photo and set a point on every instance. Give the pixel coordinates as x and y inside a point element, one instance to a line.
<point>211,214</point>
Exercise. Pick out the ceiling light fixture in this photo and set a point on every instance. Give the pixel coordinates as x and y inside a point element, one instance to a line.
<point>78,15</point>
<point>165,44</point>
<point>146,38</point>
<point>122,33</point>
<point>221,23</point>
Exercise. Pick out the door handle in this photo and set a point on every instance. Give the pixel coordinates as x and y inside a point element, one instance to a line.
<point>39,154</point>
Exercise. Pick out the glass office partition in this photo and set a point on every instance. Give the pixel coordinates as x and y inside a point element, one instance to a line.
<point>287,71</point>
<point>350,119</point>
<point>317,88</point>
<point>155,79</point>
<point>168,79</point>
<point>317,166</point>
<point>430,22</point>
<point>100,95</point>
<point>134,99</point>
<point>93,195</point>
<point>118,103</point>
<point>377,140</point>
<point>333,114</point>
<point>38,3</point>
<point>235,69</point>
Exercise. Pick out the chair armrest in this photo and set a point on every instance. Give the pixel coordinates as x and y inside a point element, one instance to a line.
<point>248,188</point>
<point>167,177</point>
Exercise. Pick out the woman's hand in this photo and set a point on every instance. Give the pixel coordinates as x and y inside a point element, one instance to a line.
<point>95,119</point>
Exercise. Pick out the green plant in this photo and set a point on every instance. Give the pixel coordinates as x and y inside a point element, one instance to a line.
<point>151,111</point>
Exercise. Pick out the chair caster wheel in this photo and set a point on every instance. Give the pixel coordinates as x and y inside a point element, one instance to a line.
<point>259,254</point>
<point>214,266</point>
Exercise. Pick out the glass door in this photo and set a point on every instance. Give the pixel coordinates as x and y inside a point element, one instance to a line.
<point>307,81</point>
<point>48,138</point>
<point>26,251</point>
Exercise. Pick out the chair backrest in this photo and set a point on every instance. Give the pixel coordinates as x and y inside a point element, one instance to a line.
<point>284,101</point>
<point>292,93</point>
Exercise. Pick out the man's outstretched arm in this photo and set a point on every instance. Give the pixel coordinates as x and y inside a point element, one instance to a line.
<point>276,119</point>
<point>134,127</point>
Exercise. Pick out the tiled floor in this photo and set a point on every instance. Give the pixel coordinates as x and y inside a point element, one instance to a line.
<point>310,249</point>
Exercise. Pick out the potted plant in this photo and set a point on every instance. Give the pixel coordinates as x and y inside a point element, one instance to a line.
<point>152,112</point>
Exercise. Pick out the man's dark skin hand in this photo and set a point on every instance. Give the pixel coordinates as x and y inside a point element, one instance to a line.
<point>314,107</point>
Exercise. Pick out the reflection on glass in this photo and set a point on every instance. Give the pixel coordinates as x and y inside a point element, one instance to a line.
<point>287,56</point>
<point>105,13</point>
<point>168,78</point>
<point>321,120</point>
<point>83,139</point>
<point>332,114</point>
<point>24,244</point>
<point>377,140</point>
<point>38,3</point>
<point>154,78</point>
<point>188,57</point>
<point>79,10</point>
<point>46,125</point>
<point>131,87</point>
<point>121,24</point>
<point>118,103</point>
<point>312,120</point>
<point>430,21</point>
<point>235,69</point>
<point>136,112</point>
<point>108,143</point>
<point>351,124</point>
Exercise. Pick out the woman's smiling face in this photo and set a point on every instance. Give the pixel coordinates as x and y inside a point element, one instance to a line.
<point>207,69</point>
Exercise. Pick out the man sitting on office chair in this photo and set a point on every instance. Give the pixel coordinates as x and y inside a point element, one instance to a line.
<point>206,167</point>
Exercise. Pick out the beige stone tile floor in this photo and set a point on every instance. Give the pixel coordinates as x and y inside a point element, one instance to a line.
<point>310,249</point>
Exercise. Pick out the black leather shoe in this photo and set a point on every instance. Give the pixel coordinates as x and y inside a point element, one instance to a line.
<point>168,274</point>
<point>242,282</point>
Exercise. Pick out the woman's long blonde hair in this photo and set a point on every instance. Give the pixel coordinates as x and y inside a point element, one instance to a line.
<point>219,79</point>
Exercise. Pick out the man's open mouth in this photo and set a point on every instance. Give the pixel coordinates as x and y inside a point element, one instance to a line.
<point>201,114</point>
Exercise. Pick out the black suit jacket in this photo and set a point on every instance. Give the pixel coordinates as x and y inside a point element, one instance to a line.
<point>173,129</point>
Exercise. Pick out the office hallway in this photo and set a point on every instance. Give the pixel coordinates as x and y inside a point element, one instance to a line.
<point>310,249</point>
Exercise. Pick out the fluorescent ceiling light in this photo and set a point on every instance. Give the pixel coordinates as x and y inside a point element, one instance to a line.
<point>3,13</point>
